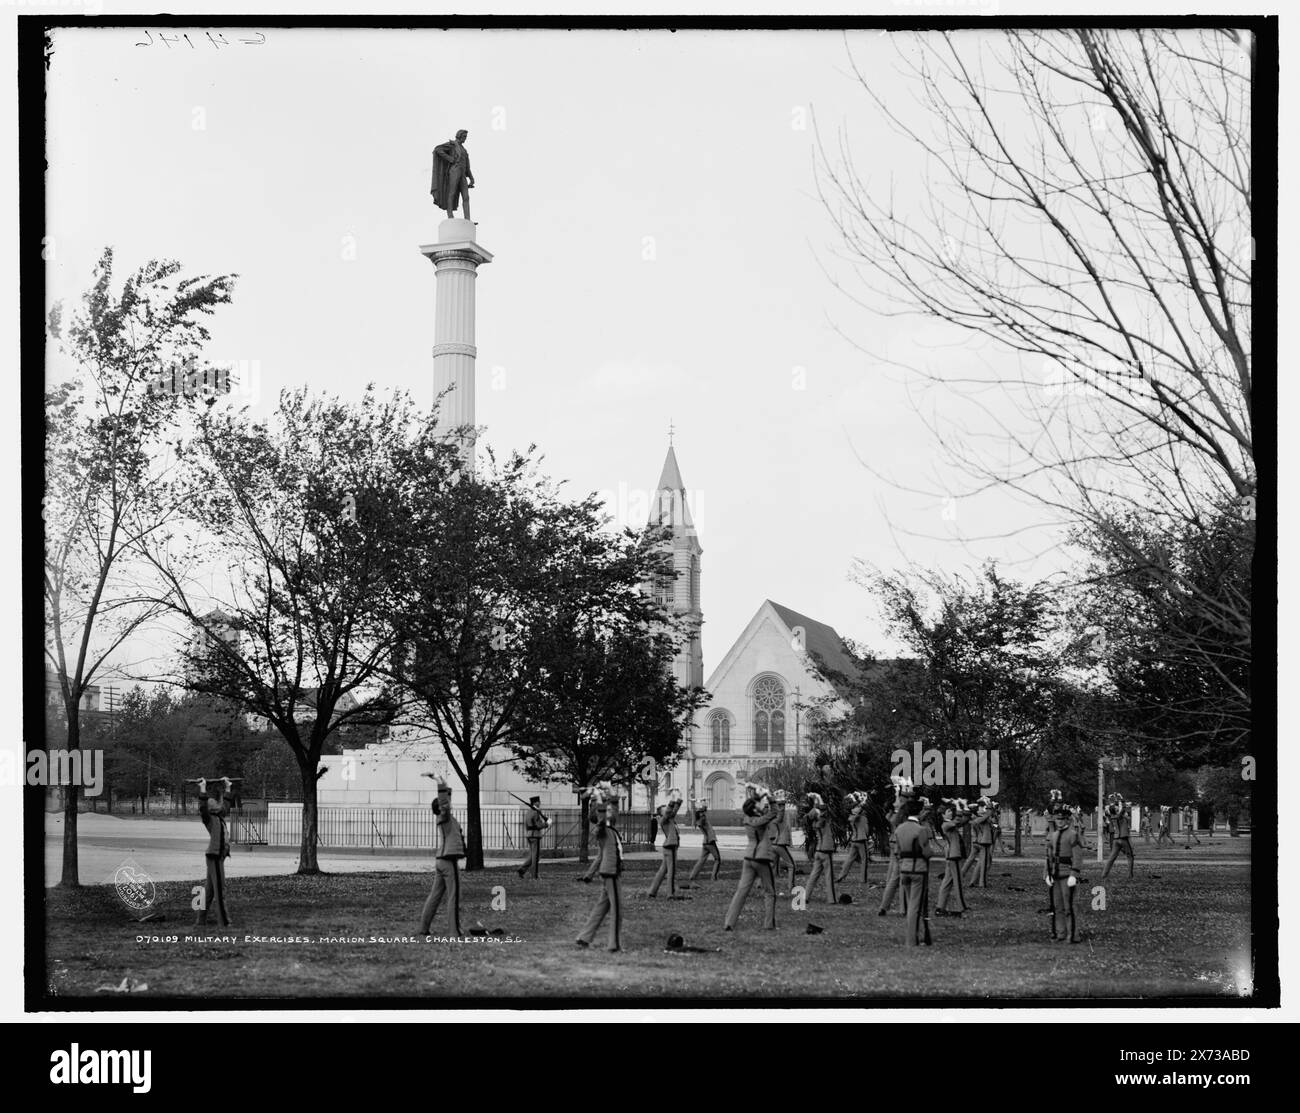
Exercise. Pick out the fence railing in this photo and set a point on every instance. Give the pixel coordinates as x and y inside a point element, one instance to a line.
<point>415,828</point>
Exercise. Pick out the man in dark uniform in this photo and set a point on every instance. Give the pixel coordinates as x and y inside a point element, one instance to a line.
<point>667,814</point>
<point>760,858</point>
<point>914,872</point>
<point>214,819</point>
<point>710,847</point>
<point>859,846</point>
<point>1119,817</point>
<point>954,820</point>
<point>783,837</point>
<point>609,858</point>
<point>1064,865</point>
<point>446,875</point>
<point>534,827</point>
<point>819,821</point>
<point>452,177</point>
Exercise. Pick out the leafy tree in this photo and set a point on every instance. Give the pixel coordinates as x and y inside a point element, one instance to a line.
<point>1169,608</point>
<point>110,485</point>
<point>605,700</point>
<point>498,566</point>
<point>1223,791</point>
<point>306,515</point>
<point>990,673</point>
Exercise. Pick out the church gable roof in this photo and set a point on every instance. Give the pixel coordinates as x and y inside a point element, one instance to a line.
<point>829,656</point>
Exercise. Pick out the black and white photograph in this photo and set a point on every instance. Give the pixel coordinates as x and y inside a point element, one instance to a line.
<point>552,513</point>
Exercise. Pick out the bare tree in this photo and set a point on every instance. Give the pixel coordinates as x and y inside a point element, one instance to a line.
<point>1086,210</point>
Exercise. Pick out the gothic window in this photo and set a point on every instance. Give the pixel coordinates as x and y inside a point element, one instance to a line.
<point>720,732</point>
<point>695,581</point>
<point>769,715</point>
<point>663,589</point>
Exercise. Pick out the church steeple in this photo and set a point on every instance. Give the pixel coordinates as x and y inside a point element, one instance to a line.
<point>672,509</point>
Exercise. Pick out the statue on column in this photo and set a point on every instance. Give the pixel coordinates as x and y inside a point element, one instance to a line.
<point>452,177</point>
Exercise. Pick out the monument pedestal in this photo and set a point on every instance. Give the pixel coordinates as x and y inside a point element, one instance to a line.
<point>456,258</point>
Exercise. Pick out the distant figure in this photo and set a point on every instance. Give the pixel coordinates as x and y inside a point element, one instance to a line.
<point>819,823</point>
<point>214,819</point>
<point>760,858</point>
<point>782,838</point>
<point>446,875</point>
<point>1165,821</point>
<point>860,823</point>
<point>609,856</point>
<point>535,828</point>
<point>1119,816</point>
<point>710,848</point>
<point>1189,824</point>
<point>667,814</point>
<point>452,177</point>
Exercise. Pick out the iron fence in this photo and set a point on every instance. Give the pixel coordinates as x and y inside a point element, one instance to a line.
<point>415,828</point>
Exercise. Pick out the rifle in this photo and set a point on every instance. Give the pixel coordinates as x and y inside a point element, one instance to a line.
<point>925,904</point>
<point>525,803</point>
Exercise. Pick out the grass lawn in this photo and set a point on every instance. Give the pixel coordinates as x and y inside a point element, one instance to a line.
<point>1178,929</point>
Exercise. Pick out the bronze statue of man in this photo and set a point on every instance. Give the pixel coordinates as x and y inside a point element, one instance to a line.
<point>452,177</point>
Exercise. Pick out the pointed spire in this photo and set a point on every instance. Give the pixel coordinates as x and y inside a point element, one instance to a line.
<point>670,505</point>
<point>670,479</point>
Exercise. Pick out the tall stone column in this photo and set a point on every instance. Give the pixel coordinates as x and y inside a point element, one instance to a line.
<point>456,258</point>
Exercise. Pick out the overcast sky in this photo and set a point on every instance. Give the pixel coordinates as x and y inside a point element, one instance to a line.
<point>661,255</point>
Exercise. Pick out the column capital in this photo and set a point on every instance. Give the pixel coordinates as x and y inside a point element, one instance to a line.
<point>467,250</point>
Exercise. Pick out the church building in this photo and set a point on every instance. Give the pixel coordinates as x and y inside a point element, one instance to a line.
<point>782,673</point>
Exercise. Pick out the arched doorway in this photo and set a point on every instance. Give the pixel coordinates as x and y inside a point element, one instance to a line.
<point>720,789</point>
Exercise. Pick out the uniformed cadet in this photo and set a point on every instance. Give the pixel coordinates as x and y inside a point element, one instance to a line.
<point>446,875</point>
<point>1145,824</point>
<point>1119,816</point>
<point>1189,825</point>
<point>214,819</point>
<point>1064,864</point>
<point>667,814</point>
<point>981,854</point>
<point>896,816</point>
<point>914,871</point>
<point>859,846</point>
<point>700,809</point>
<point>760,818</point>
<point>950,891</point>
<point>535,828</point>
<point>609,859</point>
<point>783,837</point>
<point>1165,821</point>
<point>824,856</point>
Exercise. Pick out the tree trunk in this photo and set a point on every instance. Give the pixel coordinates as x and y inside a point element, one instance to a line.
<point>1017,854</point>
<point>310,817</point>
<point>583,832</point>
<point>473,820</point>
<point>70,880</point>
